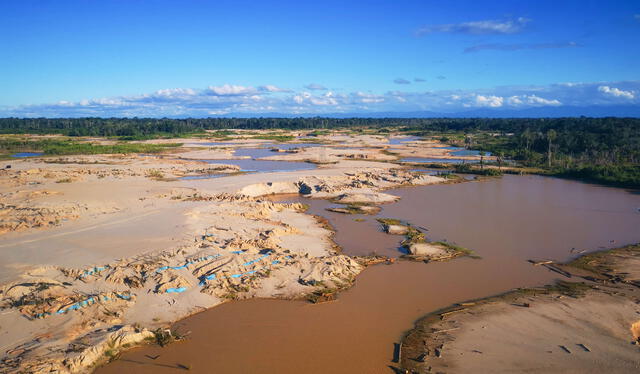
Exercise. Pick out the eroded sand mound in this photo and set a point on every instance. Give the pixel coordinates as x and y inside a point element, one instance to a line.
<point>362,186</point>
<point>259,248</point>
<point>67,318</point>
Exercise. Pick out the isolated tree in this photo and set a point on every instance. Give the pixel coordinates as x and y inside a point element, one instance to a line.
<point>482,160</point>
<point>467,141</point>
<point>499,156</point>
<point>527,136</point>
<point>551,136</point>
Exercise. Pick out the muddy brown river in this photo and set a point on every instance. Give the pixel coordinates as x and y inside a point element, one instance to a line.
<point>506,221</point>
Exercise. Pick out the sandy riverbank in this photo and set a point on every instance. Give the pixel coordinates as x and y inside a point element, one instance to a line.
<point>589,324</point>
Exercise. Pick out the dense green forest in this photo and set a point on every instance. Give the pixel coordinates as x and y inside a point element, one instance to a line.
<point>154,126</point>
<point>605,150</point>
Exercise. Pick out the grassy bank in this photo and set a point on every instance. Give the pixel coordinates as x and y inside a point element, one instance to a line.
<point>72,148</point>
<point>63,146</point>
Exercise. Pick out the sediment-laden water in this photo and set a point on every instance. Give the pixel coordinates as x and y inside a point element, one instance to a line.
<point>506,221</point>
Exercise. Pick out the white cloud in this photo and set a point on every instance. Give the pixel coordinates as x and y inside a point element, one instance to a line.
<point>368,98</point>
<point>489,101</point>
<point>323,100</point>
<point>301,97</point>
<point>247,100</point>
<point>228,90</point>
<point>218,112</point>
<point>616,92</point>
<point>478,27</point>
<point>532,100</point>
<point>172,92</point>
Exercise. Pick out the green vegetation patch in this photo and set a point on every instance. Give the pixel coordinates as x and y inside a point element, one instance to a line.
<point>64,146</point>
<point>598,262</point>
<point>389,221</point>
<point>304,208</point>
<point>74,148</point>
<point>226,134</point>
<point>458,249</point>
<point>165,337</point>
<point>414,236</point>
<point>356,208</point>
<point>160,135</point>
<point>155,174</point>
<point>621,175</point>
<point>276,138</point>
<point>472,169</point>
<point>322,295</point>
<point>319,133</point>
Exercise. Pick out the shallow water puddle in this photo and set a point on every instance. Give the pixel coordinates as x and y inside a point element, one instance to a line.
<point>204,176</point>
<point>402,140</point>
<point>262,166</point>
<point>267,150</point>
<point>27,154</point>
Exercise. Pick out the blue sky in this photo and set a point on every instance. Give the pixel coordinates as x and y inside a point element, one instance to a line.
<point>201,58</point>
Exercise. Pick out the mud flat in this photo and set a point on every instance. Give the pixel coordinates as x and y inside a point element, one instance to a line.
<point>506,221</point>
<point>589,323</point>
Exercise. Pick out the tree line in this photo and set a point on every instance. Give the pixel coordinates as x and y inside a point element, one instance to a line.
<point>94,126</point>
<point>606,150</point>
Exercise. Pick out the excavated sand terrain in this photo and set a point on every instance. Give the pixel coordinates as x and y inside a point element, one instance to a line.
<point>100,251</point>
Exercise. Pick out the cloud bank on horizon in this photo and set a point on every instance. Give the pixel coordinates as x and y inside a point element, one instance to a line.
<point>199,59</point>
<point>315,99</point>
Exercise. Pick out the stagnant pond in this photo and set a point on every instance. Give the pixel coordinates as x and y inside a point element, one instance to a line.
<point>27,154</point>
<point>506,221</point>
<point>254,165</point>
